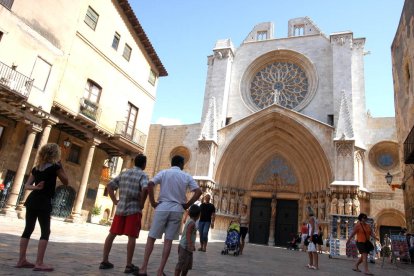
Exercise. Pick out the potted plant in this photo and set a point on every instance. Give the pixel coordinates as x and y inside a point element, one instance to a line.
<point>95,213</point>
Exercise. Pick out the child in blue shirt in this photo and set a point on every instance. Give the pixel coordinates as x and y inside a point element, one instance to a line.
<point>187,243</point>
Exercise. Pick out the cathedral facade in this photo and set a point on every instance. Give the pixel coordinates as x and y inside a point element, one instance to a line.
<point>284,129</point>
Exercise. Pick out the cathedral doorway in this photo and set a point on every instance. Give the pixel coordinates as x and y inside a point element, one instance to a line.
<point>286,223</point>
<point>260,220</point>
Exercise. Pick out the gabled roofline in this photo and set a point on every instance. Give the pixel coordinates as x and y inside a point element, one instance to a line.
<point>142,36</point>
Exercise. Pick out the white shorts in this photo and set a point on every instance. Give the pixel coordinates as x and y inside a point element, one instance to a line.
<point>311,247</point>
<point>166,222</point>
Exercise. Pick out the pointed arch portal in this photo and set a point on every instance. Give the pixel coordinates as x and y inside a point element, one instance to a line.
<point>277,138</point>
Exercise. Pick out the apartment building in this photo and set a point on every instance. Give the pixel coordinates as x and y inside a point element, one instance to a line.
<point>82,74</point>
<point>402,70</point>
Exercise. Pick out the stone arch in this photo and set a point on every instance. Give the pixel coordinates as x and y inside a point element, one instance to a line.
<point>182,151</point>
<point>271,134</point>
<point>390,217</point>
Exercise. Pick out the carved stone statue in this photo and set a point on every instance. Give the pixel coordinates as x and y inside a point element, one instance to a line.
<point>232,205</point>
<point>216,200</point>
<point>224,205</point>
<point>348,205</point>
<point>341,205</point>
<point>315,208</point>
<point>240,205</point>
<point>321,213</point>
<point>355,206</point>
<point>334,205</point>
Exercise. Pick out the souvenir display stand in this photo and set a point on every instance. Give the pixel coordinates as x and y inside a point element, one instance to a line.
<point>399,249</point>
<point>341,227</point>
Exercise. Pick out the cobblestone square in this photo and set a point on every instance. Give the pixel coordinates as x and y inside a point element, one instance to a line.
<point>76,249</point>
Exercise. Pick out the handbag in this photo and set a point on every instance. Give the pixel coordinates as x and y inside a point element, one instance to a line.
<point>368,244</point>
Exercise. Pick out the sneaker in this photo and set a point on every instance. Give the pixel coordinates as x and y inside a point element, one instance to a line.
<point>131,268</point>
<point>106,265</point>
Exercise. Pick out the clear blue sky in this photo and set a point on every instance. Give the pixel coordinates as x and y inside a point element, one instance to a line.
<point>184,32</point>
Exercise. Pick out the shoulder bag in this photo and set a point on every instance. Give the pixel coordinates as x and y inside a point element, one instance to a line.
<point>368,244</point>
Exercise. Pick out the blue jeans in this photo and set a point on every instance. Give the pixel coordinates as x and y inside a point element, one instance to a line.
<point>203,228</point>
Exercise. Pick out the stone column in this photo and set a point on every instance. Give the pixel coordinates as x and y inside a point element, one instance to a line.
<point>126,163</point>
<point>46,132</point>
<point>76,215</point>
<point>11,203</point>
<point>271,241</point>
<point>43,141</point>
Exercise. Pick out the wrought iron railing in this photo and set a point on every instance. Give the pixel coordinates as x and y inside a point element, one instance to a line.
<point>15,81</point>
<point>89,109</point>
<point>135,135</point>
<point>409,148</point>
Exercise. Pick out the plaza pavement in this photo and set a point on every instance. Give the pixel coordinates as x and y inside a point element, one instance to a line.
<point>76,249</point>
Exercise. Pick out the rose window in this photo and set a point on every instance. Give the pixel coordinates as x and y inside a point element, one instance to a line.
<point>283,83</point>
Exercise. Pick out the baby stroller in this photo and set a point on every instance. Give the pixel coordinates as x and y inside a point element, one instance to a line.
<point>294,242</point>
<point>232,242</point>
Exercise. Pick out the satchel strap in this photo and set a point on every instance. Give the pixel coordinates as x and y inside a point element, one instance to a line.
<point>365,234</point>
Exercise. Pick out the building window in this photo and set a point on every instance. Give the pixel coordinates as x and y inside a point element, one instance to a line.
<point>74,154</point>
<point>40,73</point>
<point>228,120</point>
<point>91,18</point>
<point>7,3</point>
<point>127,52</point>
<point>115,41</point>
<point>92,92</point>
<point>299,30</point>
<point>131,120</point>
<point>152,77</point>
<point>106,193</point>
<point>1,35</point>
<point>330,119</point>
<point>262,35</point>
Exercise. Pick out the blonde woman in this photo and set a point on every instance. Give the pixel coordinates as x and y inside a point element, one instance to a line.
<point>42,182</point>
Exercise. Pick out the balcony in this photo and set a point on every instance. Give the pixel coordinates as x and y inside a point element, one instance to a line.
<point>89,109</point>
<point>13,81</point>
<point>409,148</point>
<point>137,137</point>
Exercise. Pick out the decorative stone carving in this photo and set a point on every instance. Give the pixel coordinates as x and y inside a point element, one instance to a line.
<point>216,201</point>
<point>334,205</point>
<point>224,205</point>
<point>355,206</point>
<point>348,205</point>
<point>321,212</point>
<point>344,148</point>
<point>341,205</point>
<point>232,205</point>
<point>315,207</point>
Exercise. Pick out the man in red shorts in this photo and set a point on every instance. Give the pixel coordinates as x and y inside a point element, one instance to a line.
<point>127,221</point>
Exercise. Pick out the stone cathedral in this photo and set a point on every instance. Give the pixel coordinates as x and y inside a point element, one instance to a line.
<point>284,128</point>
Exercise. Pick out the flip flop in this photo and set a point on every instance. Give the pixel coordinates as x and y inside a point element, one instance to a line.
<point>43,269</point>
<point>356,269</point>
<point>368,273</point>
<point>26,265</point>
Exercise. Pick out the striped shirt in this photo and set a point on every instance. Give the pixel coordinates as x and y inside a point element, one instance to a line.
<point>130,184</point>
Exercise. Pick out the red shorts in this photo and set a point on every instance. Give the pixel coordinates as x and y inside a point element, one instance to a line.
<point>126,225</point>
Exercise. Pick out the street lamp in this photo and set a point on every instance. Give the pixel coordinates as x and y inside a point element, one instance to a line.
<point>388,178</point>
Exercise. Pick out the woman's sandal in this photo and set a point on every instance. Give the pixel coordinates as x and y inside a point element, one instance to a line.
<point>356,269</point>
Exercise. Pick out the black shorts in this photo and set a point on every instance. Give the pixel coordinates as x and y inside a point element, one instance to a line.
<point>362,248</point>
<point>243,232</point>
